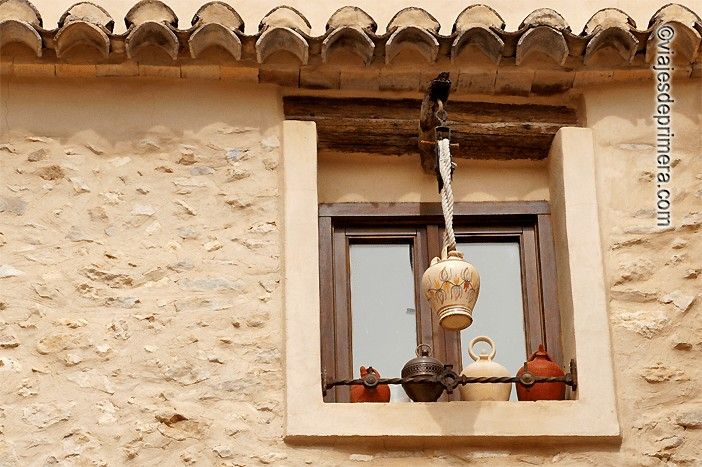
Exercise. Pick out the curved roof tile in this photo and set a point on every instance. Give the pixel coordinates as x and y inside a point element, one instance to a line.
<point>218,13</point>
<point>150,11</point>
<point>214,35</point>
<point>351,38</point>
<point>414,17</point>
<point>78,33</point>
<point>216,24</point>
<point>478,15</point>
<point>87,12</point>
<point>285,17</point>
<point>20,10</point>
<point>688,27</point>
<point>543,33</point>
<point>351,16</point>
<point>545,40</point>
<point>84,24</point>
<point>17,31</point>
<point>486,40</point>
<point>545,17</point>
<point>282,39</point>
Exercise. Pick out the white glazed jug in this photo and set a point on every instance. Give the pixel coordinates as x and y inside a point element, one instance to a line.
<point>484,366</point>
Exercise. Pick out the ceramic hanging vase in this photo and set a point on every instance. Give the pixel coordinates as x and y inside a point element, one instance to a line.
<point>379,393</point>
<point>483,365</point>
<point>451,285</point>
<point>540,364</point>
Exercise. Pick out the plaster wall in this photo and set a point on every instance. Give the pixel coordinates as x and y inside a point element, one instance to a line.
<point>388,179</point>
<point>140,296</point>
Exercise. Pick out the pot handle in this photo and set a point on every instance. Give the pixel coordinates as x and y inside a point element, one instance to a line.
<point>485,339</point>
<point>423,350</point>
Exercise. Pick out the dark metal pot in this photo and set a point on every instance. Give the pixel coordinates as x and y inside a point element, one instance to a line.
<point>423,365</point>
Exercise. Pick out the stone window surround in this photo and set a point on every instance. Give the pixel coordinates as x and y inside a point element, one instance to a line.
<point>591,417</point>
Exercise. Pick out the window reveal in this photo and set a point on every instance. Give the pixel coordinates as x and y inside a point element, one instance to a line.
<point>372,258</point>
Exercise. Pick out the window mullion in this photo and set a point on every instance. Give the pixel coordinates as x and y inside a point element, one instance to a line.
<point>531,289</point>
<point>547,265</point>
<point>342,315</point>
<point>423,312</point>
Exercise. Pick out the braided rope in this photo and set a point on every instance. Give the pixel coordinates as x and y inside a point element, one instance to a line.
<point>446,193</point>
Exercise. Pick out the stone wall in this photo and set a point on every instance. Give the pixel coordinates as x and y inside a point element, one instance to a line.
<point>654,274</point>
<point>140,295</point>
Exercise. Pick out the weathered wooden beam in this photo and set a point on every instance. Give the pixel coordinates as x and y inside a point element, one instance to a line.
<point>483,130</point>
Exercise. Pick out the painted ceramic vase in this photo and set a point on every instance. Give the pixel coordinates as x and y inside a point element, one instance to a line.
<point>360,393</point>
<point>484,365</point>
<point>451,284</point>
<point>540,364</point>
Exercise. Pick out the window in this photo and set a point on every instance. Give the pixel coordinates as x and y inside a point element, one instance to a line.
<point>372,257</point>
<point>582,302</point>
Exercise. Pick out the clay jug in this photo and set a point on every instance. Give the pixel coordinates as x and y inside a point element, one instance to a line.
<point>540,364</point>
<point>451,285</point>
<point>485,366</point>
<point>360,393</point>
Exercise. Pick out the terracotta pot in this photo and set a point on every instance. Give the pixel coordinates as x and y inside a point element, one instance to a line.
<point>540,364</point>
<point>360,393</point>
<point>485,366</point>
<point>451,285</point>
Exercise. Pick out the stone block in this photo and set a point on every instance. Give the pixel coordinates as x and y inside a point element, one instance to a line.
<point>286,77</point>
<point>399,80</point>
<point>159,71</point>
<point>34,69</point>
<point>514,81</point>
<point>200,71</point>
<point>320,77</point>
<point>548,82</point>
<point>361,80</point>
<point>476,81</point>
<point>69,70</point>
<point>588,77</point>
<point>127,68</point>
<point>248,74</point>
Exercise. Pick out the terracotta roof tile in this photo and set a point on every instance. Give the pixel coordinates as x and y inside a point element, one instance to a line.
<point>544,40</point>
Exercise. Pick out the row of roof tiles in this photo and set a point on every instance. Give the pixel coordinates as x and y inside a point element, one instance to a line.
<point>216,24</point>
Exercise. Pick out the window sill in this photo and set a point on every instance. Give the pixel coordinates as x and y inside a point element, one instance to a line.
<point>591,417</point>
<point>544,420</point>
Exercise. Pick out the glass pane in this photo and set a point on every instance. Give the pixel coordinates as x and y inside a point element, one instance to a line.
<point>383,311</point>
<point>499,313</point>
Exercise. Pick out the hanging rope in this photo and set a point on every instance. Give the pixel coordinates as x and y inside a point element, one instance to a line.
<point>446,192</point>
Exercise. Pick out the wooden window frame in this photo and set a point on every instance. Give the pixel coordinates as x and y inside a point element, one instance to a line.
<point>341,224</point>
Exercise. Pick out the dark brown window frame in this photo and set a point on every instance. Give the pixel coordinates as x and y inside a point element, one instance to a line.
<point>340,224</point>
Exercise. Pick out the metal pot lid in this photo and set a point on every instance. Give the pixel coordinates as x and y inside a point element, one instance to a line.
<point>423,363</point>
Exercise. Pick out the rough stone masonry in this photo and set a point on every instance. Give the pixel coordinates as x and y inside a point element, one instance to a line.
<point>140,294</point>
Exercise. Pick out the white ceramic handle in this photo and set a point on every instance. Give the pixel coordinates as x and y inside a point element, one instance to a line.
<point>485,339</point>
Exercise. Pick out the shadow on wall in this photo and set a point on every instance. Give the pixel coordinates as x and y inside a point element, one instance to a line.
<point>113,111</point>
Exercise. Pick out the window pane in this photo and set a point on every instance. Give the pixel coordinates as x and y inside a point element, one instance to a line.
<point>382,309</point>
<point>499,312</point>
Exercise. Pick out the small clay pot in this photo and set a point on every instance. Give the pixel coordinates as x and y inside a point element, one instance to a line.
<point>380,393</point>
<point>540,364</point>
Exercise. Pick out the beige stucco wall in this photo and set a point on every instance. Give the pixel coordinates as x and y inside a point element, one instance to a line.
<point>146,326</point>
<point>402,179</point>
